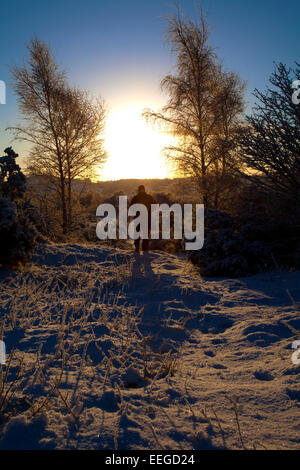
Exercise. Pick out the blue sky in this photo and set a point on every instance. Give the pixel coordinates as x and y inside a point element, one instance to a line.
<point>115,47</point>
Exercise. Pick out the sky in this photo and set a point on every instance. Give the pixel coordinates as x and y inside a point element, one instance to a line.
<point>115,48</point>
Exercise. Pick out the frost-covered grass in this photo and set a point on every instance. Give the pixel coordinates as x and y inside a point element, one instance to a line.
<point>108,349</point>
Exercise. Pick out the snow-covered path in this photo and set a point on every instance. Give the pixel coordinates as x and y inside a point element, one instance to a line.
<point>149,355</point>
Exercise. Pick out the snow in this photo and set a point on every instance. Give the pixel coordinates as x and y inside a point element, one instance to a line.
<point>129,351</point>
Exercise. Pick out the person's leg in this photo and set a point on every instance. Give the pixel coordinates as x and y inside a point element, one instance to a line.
<point>137,244</point>
<point>145,244</point>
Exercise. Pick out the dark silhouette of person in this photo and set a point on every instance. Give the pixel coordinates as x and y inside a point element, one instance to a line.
<point>143,198</point>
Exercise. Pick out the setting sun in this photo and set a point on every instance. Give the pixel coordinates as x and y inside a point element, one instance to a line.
<point>134,147</point>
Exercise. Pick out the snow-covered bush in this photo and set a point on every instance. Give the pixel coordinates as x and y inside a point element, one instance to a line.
<point>17,216</point>
<point>227,251</point>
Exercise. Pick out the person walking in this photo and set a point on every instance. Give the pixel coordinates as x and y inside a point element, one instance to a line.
<point>143,198</point>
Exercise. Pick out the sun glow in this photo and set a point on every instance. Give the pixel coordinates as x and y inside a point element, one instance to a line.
<point>133,146</point>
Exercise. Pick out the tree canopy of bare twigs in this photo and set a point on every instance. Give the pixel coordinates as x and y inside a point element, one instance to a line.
<point>63,124</point>
<point>270,143</point>
<point>203,107</point>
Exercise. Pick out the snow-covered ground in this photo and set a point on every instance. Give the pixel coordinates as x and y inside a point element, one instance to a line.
<point>108,349</point>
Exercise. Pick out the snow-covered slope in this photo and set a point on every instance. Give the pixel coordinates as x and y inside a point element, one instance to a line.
<point>129,351</point>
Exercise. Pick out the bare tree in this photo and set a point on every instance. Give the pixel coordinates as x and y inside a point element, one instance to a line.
<point>63,123</point>
<point>202,108</point>
<point>229,106</point>
<point>270,143</point>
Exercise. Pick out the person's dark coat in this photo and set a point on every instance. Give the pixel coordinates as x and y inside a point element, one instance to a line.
<point>143,198</point>
<point>147,200</point>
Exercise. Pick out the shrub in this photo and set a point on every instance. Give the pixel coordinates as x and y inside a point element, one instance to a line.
<point>227,251</point>
<point>17,216</point>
